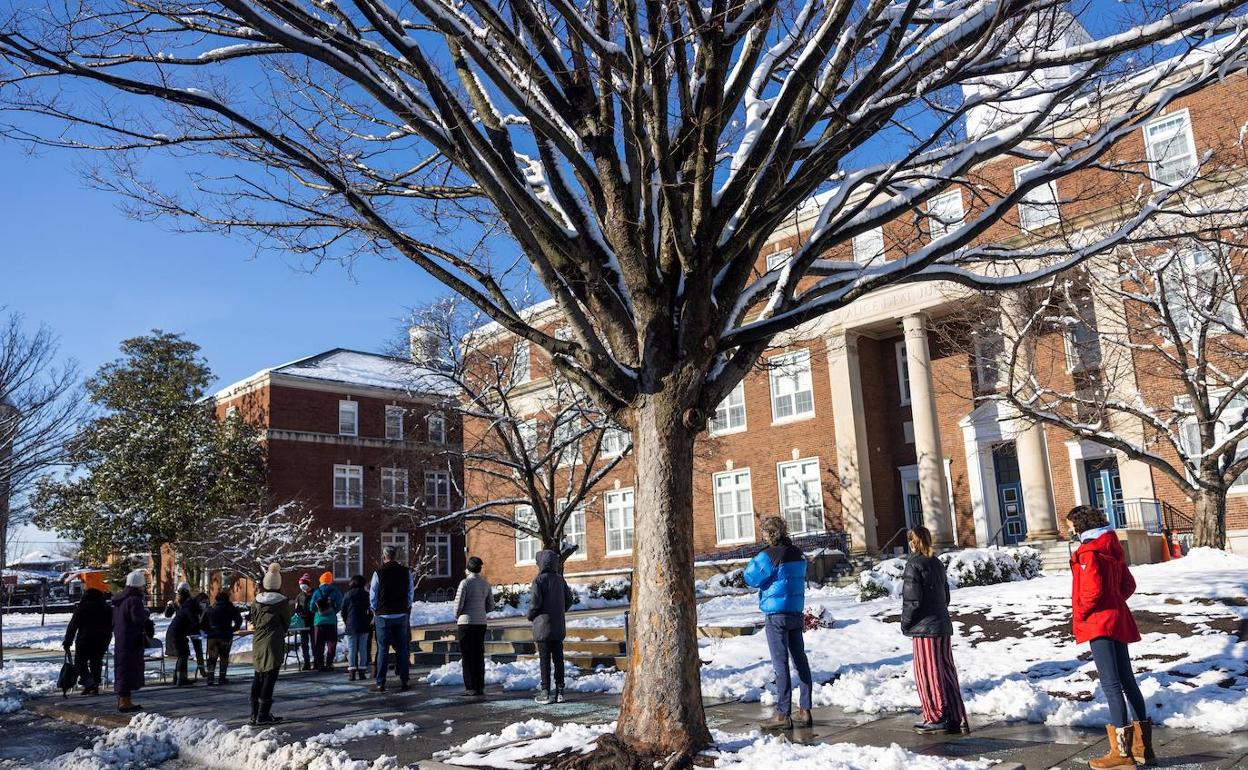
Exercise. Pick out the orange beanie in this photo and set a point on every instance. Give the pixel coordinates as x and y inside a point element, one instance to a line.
<point>327,577</point>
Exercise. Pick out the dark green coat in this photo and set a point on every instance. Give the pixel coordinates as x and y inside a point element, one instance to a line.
<point>270,618</point>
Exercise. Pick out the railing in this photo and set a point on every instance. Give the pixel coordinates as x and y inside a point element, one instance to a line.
<point>838,541</point>
<point>905,544</point>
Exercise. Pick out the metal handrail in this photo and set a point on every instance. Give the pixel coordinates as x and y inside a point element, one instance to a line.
<point>898,533</point>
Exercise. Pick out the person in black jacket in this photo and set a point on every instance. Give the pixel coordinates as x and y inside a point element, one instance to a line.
<point>221,622</point>
<point>549,599</point>
<point>925,619</point>
<point>186,619</point>
<point>358,619</point>
<point>89,632</point>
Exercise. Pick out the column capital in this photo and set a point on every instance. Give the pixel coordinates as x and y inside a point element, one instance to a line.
<point>914,324</point>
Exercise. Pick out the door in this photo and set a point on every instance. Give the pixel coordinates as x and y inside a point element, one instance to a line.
<point>1105,488</point>
<point>914,503</point>
<point>1013,523</point>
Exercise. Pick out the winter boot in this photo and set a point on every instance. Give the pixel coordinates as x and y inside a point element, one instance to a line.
<point>802,718</point>
<point>543,697</point>
<point>266,717</point>
<point>777,723</point>
<point>127,706</point>
<point>931,728</point>
<point>255,711</point>
<point>1119,755</point>
<point>559,695</point>
<point>1142,743</point>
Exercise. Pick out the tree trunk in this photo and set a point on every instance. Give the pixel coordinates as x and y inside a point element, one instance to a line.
<point>1210,524</point>
<point>661,713</point>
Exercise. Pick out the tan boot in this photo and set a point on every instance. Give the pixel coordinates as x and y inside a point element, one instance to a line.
<point>777,723</point>
<point>1142,743</point>
<point>1119,755</point>
<point>802,718</point>
<point>127,706</point>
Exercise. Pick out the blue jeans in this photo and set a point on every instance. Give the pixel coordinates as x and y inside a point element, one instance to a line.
<point>357,651</point>
<point>784,639</point>
<point>1113,668</point>
<point>393,632</point>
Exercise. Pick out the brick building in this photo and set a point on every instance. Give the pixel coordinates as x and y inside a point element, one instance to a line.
<point>864,421</point>
<point>364,441</point>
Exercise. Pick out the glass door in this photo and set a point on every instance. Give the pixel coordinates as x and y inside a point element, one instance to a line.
<point>1105,489</point>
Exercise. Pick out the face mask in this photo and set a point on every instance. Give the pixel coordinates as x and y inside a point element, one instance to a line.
<point>305,587</point>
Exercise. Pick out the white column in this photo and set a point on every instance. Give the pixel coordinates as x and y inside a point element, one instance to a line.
<point>931,462</point>
<point>852,459</point>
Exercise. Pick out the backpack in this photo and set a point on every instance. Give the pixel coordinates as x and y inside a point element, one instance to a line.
<point>325,605</point>
<point>68,677</point>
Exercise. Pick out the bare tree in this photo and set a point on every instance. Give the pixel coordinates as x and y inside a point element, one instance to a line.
<point>40,409</point>
<point>534,445</point>
<point>638,156</point>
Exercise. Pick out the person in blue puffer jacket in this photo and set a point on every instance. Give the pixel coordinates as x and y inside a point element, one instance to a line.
<point>779,572</point>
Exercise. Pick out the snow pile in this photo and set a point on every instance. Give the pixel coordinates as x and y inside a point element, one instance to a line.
<point>526,675</point>
<point>364,729</point>
<point>524,740</point>
<point>151,739</point>
<point>732,582</point>
<point>22,680</point>
<point>967,567</point>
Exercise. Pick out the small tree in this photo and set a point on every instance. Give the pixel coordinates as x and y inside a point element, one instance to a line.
<point>156,467</point>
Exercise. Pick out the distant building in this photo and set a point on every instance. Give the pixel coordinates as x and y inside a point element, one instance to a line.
<point>365,441</point>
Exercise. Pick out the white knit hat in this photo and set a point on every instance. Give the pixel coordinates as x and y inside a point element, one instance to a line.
<point>136,579</point>
<point>273,578</point>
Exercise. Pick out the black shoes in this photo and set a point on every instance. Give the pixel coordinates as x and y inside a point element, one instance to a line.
<point>377,688</point>
<point>939,728</point>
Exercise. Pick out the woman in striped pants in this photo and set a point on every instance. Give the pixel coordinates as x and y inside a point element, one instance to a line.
<point>925,619</point>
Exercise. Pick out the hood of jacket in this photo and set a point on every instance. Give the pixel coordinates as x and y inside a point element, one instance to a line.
<point>126,593</point>
<point>547,561</point>
<point>1107,544</point>
<point>270,597</point>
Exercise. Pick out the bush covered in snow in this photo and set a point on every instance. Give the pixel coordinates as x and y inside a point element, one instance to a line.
<point>612,588</point>
<point>510,595</point>
<point>730,582</point>
<point>964,568</point>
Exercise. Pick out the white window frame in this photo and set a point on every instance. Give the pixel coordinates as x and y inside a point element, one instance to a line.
<point>740,518</point>
<point>805,510</point>
<point>1189,140</point>
<point>402,546</point>
<point>1039,207</point>
<point>521,362</point>
<point>353,409</point>
<point>438,435</point>
<point>440,499</point>
<point>393,487</point>
<point>231,412</point>
<point>394,422</point>
<point>984,364</point>
<point>1074,357</point>
<point>617,508</point>
<point>345,559</point>
<point>349,473</point>
<point>562,436</point>
<point>614,441</point>
<point>937,225</point>
<point>1182,403</point>
<point>439,544</point>
<point>869,246</point>
<point>778,259</point>
<point>725,413</point>
<point>574,532</point>
<point>527,546</point>
<point>789,367</point>
<point>903,372</point>
<point>1178,288</point>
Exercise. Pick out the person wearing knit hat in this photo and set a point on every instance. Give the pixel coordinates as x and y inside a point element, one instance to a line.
<point>326,600</point>
<point>305,615</point>
<point>132,627</point>
<point>186,614</point>
<point>270,619</point>
<point>136,579</point>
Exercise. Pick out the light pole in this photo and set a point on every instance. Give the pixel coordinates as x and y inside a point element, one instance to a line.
<point>8,433</point>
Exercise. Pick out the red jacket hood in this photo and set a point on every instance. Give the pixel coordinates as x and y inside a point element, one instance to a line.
<point>1107,544</point>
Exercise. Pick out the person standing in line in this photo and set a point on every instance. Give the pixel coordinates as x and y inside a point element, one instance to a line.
<point>221,622</point>
<point>549,599</point>
<point>89,631</point>
<point>474,598</point>
<point>303,609</point>
<point>1101,583</point>
<point>132,627</point>
<point>326,600</point>
<point>925,619</point>
<point>357,618</point>
<point>199,641</point>
<point>270,620</point>
<point>178,635</point>
<point>390,596</point>
<point>779,574</point>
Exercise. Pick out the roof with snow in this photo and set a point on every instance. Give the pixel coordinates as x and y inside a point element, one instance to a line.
<point>341,366</point>
<point>38,558</point>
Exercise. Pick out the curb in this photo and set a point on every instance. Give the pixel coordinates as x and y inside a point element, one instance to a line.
<point>49,708</point>
<point>1009,766</point>
<point>433,764</point>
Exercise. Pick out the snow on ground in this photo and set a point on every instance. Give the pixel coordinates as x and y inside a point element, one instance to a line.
<point>437,613</point>
<point>20,680</point>
<point>525,675</point>
<point>522,741</point>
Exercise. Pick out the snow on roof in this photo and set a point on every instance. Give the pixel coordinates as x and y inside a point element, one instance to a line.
<point>526,314</point>
<point>354,367</point>
<point>42,557</point>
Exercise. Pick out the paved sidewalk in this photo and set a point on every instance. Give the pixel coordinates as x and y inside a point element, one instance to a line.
<point>315,703</point>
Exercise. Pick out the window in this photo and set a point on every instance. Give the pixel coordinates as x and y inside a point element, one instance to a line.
<point>1190,281</point>
<point>791,392</point>
<point>614,441</point>
<point>903,373</point>
<point>729,416</point>
<point>394,422</point>
<point>1038,206</point>
<point>1232,419</point>
<point>520,370</point>
<point>348,486</point>
<point>437,490</point>
<point>1170,148</point>
<point>563,333</point>
<point>1083,342</point>
<point>869,246</point>
<point>231,413</point>
<point>527,546</point>
<point>618,506</point>
<point>778,259</point>
<point>393,486</point>
<point>944,213</point>
<point>527,429</point>
<point>566,439</point>
<point>734,507</point>
<point>574,532</point>
<point>439,547</point>
<point>988,354</point>
<point>437,428</point>
<point>801,496</point>
<point>348,418</point>
<point>350,560</point>
<point>400,542</point>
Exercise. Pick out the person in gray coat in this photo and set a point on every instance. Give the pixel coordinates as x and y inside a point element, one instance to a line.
<point>549,599</point>
<point>473,599</point>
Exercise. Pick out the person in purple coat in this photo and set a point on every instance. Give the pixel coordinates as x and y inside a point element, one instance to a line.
<point>131,628</point>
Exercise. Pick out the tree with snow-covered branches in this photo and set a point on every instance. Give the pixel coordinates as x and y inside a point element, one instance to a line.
<point>636,156</point>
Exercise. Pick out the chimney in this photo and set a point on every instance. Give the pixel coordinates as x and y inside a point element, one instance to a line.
<point>423,346</point>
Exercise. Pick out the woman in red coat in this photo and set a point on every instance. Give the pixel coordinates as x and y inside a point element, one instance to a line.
<point>1101,585</point>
